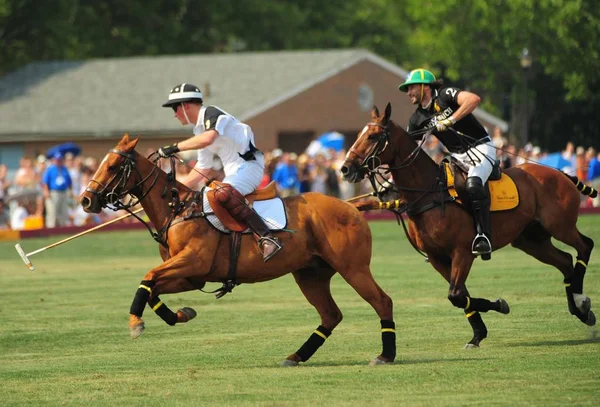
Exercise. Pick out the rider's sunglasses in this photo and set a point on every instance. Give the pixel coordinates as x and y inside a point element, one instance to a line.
<point>174,107</point>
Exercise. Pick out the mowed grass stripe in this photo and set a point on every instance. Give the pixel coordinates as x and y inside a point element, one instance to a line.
<point>65,341</point>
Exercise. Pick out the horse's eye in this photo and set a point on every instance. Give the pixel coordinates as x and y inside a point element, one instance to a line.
<point>372,136</point>
<point>112,168</point>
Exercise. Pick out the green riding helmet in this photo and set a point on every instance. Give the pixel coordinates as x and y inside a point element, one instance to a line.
<point>417,76</point>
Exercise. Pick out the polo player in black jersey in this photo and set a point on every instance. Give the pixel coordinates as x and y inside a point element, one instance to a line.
<point>442,109</point>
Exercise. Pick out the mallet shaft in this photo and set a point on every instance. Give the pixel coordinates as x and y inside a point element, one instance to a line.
<point>84,232</point>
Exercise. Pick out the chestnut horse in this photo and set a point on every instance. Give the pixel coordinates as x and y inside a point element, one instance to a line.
<point>548,207</point>
<point>330,236</point>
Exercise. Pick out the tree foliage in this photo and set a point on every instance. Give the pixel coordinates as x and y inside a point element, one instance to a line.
<point>475,44</point>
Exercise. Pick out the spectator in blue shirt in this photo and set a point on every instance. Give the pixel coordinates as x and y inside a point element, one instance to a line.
<point>594,177</point>
<point>286,175</point>
<point>56,184</point>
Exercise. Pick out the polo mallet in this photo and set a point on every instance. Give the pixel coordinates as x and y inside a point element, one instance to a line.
<point>360,197</point>
<point>25,256</point>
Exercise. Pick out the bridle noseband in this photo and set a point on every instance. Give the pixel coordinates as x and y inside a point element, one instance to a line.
<point>371,161</point>
<point>112,196</point>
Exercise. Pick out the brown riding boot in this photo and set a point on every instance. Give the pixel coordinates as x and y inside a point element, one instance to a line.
<point>269,245</point>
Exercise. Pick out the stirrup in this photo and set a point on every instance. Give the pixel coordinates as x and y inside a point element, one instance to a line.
<point>271,239</point>
<point>481,237</point>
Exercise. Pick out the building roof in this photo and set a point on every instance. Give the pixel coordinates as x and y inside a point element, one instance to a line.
<point>105,97</point>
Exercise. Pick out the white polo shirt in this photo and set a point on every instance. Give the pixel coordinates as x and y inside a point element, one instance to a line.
<point>234,139</point>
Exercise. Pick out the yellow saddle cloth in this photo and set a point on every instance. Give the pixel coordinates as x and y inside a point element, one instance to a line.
<point>503,192</point>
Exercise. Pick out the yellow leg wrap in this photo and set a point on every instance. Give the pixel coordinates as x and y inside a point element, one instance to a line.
<point>470,314</point>
<point>582,263</point>
<point>468,303</point>
<point>388,330</point>
<point>157,306</point>
<point>146,288</point>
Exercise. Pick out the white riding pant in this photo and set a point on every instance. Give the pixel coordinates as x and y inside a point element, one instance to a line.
<point>478,160</point>
<point>247,177</point>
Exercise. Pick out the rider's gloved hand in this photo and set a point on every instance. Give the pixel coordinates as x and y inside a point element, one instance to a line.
<point>446,123</point>
<point>168,151</point>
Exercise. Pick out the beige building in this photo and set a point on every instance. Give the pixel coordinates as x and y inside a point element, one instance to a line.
<point>287,97</point>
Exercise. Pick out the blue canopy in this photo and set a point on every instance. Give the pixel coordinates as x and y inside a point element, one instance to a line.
<point>332,140</point>
<point>556,160</point>
<point>63,149</point>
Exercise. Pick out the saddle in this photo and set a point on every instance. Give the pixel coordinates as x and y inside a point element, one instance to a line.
<point>502,190</point>
<point>263,194</point>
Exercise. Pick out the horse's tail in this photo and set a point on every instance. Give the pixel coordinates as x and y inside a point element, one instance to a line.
<point>376,205</point>
<point>581,187</point>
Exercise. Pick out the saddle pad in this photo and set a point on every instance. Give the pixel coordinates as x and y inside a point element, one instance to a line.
<point>271,210</point>
<point>503,192</point>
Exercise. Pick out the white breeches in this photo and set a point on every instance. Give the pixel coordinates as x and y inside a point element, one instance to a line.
<point>479,160</point>
<point>247,177</point>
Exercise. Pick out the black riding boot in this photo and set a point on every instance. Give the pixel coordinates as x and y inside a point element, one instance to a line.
<point>268,243</point>
<point>480,203</point>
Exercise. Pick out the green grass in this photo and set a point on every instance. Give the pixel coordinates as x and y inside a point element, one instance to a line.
<point>64,338</point>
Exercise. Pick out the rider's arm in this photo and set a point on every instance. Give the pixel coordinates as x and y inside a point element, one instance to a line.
<point>467,102</point>
<point>198,177</point>
<point>197,142</point>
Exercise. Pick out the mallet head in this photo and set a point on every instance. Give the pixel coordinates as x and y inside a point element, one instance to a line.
<point>24,257</point>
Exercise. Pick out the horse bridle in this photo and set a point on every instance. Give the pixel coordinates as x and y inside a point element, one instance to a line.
<point>113,196</point>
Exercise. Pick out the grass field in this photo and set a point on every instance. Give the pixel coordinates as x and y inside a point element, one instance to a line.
<point>64,338</point>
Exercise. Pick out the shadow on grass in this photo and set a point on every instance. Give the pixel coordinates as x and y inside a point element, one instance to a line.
<point>398,362</point>
<point>570,342</point>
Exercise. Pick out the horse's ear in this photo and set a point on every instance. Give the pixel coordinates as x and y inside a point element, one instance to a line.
<point>388,113</point>
<point>132,143</point>
<point>125,139</point>
<point>374,113</point>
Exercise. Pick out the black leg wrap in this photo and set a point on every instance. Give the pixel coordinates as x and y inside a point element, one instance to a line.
<point>481,305</point>
<point>313,343</point>
<point>163,311</point>
<point>479,329</point>
<point>388,338</point>
<point>579,273</point>
<point>141,298</point>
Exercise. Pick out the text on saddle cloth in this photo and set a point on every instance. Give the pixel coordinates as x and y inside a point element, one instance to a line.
<point>504,194</point>
<point>271,210</point>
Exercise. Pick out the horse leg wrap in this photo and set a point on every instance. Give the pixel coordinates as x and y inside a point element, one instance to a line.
<point>313,343</point>
<point>479,329</point>
<point>141,297</point>
<point>234,202</point>
<point>163,311</point>
<point>579,273</point>
<point>388,338</point>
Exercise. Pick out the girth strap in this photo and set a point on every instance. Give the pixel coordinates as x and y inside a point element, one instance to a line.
<point>235,242</point>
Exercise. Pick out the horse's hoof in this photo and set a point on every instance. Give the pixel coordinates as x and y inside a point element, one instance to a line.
<point>289,363</point>
<point>136,330</point>
<point>379,362</point>
<point>591,320</point>
<point>583,303</point>
<point>504,308</point>
<point>185,314</point>
<point>471,346</point>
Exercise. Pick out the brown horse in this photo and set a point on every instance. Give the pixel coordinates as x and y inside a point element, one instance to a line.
<point>548,207</point>
<point>330,236</point>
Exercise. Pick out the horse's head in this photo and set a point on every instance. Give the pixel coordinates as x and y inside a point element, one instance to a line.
<point>114,179</point>
<point>369,151</point>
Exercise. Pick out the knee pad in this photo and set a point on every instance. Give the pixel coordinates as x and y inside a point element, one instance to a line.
<point>475,188</point>
<point>232,200</point>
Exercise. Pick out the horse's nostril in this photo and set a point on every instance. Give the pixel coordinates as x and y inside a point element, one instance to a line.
<point>86,202</point>
<point>345,170</point>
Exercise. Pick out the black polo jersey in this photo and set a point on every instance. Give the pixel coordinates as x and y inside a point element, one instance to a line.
<point>443,106</point>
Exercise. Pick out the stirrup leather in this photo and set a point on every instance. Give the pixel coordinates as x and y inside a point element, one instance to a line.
<point>272,239</point>
<point>481,236</point>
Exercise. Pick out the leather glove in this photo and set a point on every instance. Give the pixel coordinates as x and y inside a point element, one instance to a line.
<point>167,151</point>
<point>446,123</point>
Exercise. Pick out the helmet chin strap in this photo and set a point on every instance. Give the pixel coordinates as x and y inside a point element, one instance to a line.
<point>422,96</point>
<point>187,119</point>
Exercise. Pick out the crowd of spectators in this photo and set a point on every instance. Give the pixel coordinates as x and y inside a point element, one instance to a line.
<point>43,192</point>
